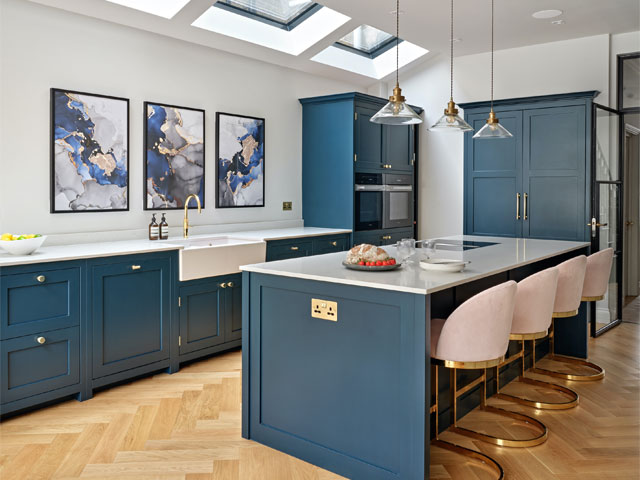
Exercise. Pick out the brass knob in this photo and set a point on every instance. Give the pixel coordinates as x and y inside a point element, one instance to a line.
<point>41,278</point>
<point>629,223</point>
<point>223,285</point>
<point>230,284</point>
<point>41,340</point>
<point>135,267</point>
<point>335,244</point>
<point>295,248</point>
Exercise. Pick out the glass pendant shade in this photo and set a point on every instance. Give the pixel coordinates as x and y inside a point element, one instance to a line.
<point>396,112</point>
<point>493,129</point>
<point>451,121</point>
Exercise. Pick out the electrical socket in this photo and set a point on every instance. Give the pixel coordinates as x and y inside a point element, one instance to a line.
<point>324,309</point>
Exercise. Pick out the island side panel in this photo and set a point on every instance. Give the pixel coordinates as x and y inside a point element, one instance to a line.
<point>348,396</point>
<point>246,337</point>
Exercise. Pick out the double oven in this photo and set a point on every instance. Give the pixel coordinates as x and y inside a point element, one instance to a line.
<point>383,200</point>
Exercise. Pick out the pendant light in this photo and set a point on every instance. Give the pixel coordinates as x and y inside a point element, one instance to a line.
<point>396,112</point>
<point>492,129</point>
<point>451,121</point>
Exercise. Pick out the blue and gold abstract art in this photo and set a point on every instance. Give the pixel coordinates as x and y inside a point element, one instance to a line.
<point>89,152</point>
<point>240,160</point>
<point>174,155</point>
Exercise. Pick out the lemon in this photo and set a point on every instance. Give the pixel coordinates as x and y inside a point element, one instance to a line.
<point>6,236</point>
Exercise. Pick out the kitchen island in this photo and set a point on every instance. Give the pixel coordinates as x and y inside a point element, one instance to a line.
<point>351,394</point>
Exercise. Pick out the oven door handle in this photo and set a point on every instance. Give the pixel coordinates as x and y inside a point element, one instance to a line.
<point>370,188</point>
<point>398,188</point>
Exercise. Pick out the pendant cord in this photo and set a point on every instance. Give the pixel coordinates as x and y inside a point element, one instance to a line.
<point>397,41</point>
<point>492,1</point>
<point>451,50</point>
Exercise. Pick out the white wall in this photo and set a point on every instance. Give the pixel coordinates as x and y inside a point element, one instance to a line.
<point>42,47</point>
<point>622,43</point>
<point>558,67</point>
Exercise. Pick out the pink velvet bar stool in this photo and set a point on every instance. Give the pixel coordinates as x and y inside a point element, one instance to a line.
<point>531,321</point>
<point>596,279</point>
<point>568,298</point>
<point>476,336</point>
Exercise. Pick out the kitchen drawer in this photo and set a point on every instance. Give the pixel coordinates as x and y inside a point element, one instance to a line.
<point>382,237</point>
<point>279,250</point>
<point>330,244</point>
<point>30,368</point>
<point>39,301</point>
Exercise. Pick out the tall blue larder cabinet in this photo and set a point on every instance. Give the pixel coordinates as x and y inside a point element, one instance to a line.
<point>537,183</point>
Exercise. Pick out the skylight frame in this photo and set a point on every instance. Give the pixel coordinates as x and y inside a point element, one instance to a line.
<point>373,53</point>
<point>297,20</point>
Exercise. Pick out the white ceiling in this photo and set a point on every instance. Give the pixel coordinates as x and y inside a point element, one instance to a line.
<point>424,22</point>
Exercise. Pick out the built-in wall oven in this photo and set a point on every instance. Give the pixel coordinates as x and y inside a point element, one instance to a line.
<point>383,200</point>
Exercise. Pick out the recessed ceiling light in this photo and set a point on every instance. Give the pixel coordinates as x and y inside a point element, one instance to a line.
<point>544,14</point>
<point>558,22</point>
<point>161,8</point>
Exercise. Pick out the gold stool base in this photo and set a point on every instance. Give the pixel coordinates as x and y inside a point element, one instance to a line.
<point>598,375</point>
<point>485,459</point>
<point>506,442</point>
<point>542,405</point>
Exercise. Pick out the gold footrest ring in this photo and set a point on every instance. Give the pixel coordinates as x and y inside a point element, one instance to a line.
<point>467,452</point>
<point>507,442</point>
<point>542,405</point>
<point>599,375</point>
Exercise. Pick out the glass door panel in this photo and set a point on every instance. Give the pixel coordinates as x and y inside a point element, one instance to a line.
<point>607,134</point>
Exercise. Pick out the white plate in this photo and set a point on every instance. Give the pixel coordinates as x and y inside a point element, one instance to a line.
<point>443,264</point>
<point>22,247</point>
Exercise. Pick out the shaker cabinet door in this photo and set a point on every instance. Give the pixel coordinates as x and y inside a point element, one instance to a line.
<point>368,140</point>
<point>130,311</point>
<point>201,315</point>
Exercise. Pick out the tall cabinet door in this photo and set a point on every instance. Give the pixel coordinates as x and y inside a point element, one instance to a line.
<point>131,312</point>
<point>493,179</point>
<point>554,173</point>
<point>368,140</point>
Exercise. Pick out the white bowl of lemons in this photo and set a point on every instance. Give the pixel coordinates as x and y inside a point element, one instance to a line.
<point>21,244</point>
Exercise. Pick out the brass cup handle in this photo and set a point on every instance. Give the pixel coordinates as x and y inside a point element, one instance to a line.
<point>230,284</point>
<point>295,248</point>
<point>41,340</point>
<point>335,244</point>
<point>223,285</point>
<point>517,206</point>
<point>135,267</point>
<point>41,278</point>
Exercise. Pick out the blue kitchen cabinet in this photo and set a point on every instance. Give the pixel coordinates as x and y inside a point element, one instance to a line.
<point>130,309</point>
<point>398,148</point>
<point>233,308</point>
<point>368,139</point>
<point>305,247</point>
<point>535,184</point>
<point>382,237</point>
<point>201,315</point>
<point>330,244</point>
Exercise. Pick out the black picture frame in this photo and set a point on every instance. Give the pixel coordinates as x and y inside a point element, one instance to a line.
<point>204,158</point>
<point>52,166</point>
<point>217,159</point>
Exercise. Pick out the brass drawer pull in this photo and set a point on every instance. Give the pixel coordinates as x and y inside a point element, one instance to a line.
<point>386,237</point>
<point>526,197</point>
<point>135,267</point>
<point>41,278</point>
<point>230,284</point>
<point>295,248</point>
<point>223,285</point>
<point>41,340</point>
<point>335,244</point>
<point>517,206</point>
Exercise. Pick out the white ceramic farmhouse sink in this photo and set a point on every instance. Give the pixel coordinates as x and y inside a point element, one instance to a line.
<point>204,257</point>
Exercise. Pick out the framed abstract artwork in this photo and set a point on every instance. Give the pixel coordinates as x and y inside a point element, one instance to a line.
<point>239,161</point>
<point>89,152</point>
<point>174,148</point>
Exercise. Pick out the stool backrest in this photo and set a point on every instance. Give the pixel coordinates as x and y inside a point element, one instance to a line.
<point>570,282</point>
<point>534,302</point>
<point>478,330</point>
<point>596,279</point>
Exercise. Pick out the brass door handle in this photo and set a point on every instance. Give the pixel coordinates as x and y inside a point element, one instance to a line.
<point>335,244</point>
<point>223,285</point>
<point>295,248</point>
<point>517,206</point>
<point>629,223</point>
<point>597,224</point>
<point>594,224</point>
<point>526,197</point>
<point>135,267</point>
<point>41,278</point>
<point>41,340</point>
<point>230,284</point>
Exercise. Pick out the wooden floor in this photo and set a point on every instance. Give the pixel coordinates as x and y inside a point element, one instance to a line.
<point>187,426</point>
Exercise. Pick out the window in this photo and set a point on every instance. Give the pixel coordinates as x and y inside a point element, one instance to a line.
<point>285,14</point>
<point>367,41</point>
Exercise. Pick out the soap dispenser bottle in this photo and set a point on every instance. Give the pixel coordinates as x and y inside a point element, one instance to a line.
<point>164,228</point>
<point>154,230</point>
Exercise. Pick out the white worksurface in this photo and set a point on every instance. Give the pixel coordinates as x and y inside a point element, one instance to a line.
<point>509,253</point>
<point>108,249</point>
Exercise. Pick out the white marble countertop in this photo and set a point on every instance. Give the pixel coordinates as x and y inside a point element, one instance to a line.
<point>107,249</point>
<point>508,253</point>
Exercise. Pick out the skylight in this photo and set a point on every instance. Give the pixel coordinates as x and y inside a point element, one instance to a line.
<point>308,30</point>
<point>161,8</point>
<point>367,40</point>
<point>282,13</point>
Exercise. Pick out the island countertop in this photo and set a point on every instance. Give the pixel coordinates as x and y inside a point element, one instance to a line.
<point>506,254</point>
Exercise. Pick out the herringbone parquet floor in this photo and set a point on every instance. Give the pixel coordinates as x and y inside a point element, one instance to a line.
<point>187,426</point>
